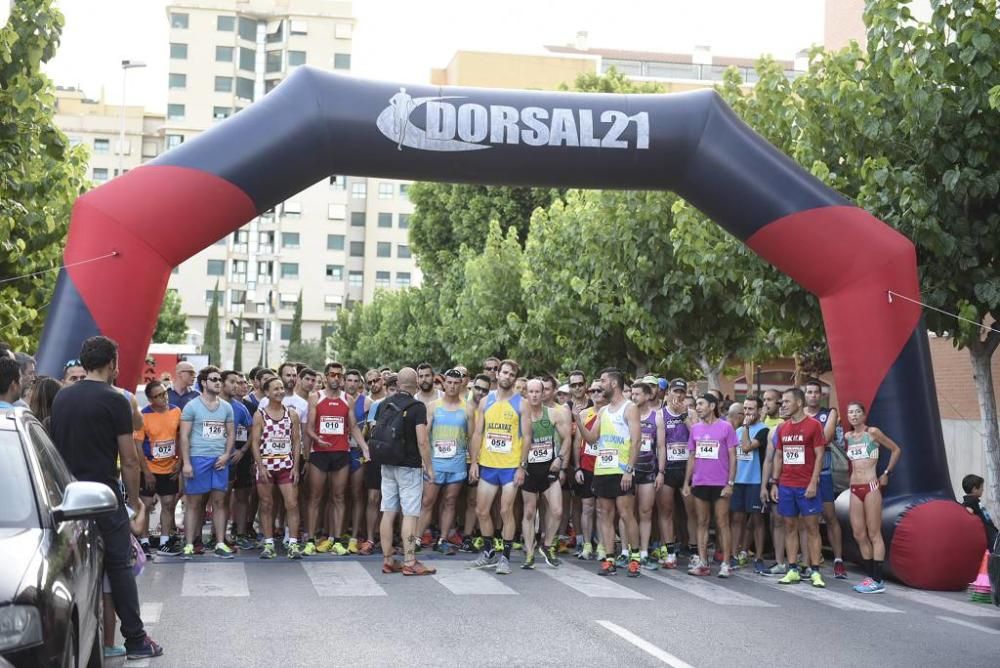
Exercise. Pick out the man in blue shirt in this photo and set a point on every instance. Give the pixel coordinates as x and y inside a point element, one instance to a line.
<point>182,389</point>
<point>746,494</point>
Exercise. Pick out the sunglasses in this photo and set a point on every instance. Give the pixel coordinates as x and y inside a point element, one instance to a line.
<point>334,374</point>
<point>576,385</point>
<point>214,379</point>
<point>594,389</point>
<point>71,363</point>
<point>490,368</point>
<point>480,389</point>
<point>453,373</point>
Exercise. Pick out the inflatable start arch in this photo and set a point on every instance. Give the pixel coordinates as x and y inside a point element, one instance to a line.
<point>317,123</point>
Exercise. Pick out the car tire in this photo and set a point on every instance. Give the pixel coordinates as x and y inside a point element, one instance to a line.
<point>69,658</point>
<point>96,659</point>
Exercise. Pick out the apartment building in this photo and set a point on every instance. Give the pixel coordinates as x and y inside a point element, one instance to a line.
<point>339,240</point>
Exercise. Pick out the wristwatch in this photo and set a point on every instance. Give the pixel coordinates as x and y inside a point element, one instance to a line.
<point>730,483</point>
<point>628,468</point>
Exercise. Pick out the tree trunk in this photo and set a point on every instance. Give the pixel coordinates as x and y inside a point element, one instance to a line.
<point>713,372</point>
<point>981,355</point>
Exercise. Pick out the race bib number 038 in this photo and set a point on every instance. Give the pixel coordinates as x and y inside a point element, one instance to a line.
<point>677,452</point>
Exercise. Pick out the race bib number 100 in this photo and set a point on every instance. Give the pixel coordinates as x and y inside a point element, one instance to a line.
<point>607,459</point>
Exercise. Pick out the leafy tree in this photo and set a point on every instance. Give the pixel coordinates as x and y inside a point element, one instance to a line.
<point>40,175</point>
<point>210,345</point>
<point>238,348</point>
<point>310,353</point>
<point>171,324</point>
<point>295,336</point>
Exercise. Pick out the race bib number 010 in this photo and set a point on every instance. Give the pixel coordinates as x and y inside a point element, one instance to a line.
<point>793,455</point>
<point>677,452</point>
<point>212,430</point>
<point>331,426</point>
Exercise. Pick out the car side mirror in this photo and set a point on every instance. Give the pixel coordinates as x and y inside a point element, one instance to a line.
<point>85,501</point>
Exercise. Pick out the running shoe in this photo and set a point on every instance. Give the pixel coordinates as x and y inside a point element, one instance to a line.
<point>775,570</point>
<point>565,544</point>
<point>147,549</point>
<point>839,570</point>
<point>427,540</point>
<point>725,570</point>
<point>171,549</point>
<point>517,545</point>
<point>147,650</point>
<point>338,549</point>
<point>791,577</point>
<point>467,545</point>
<point>477,543</point>
<point>199,546</point>
<point>805,570</point>
<point>324,546</point>
<point>188,552</point>
<point>268,552</point>
<point>742,559</point>
<point>670,561</point>
<point>601,554</point>
<point>485,561</point>
<point>586,552</point>
<point>649,563</point>
<point>310,548</point>
<point>455,539</point>
<point>366,548</point>
<point>621,561</point>
<point>417,568</point>
<point>758,567</point>
<point>698,568</point>
<point>551,556</point>
<point>352,545</point>
<point>634,568</point>
<point>114,651</point>
<point>295,550</point>
<point>608,567</point>
<point>870,586</point>
<point>734,564</point>
<point>246,543</point>
<point>392,566</point>
<point>223,551</point>
<point>529,561</point>
<point>445,548</point>
<point>503,565</point>
<point>817,580</point>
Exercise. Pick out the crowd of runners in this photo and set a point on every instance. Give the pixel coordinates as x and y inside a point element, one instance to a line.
<point>634,474</point>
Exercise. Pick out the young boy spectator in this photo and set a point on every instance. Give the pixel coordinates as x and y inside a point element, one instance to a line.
<point>972,485</point>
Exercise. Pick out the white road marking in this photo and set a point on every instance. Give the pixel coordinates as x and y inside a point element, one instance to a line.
<point>226,580</point>
<point>713,593</point>
<point>589,583</point>
<point>967,608</point>
<point>971,625</point>
<point>344,578</point>
<point>857,602</point>
<point>459,579</point>
<point>150,613</point>
<point>645,645</point>
<point>133,663</point>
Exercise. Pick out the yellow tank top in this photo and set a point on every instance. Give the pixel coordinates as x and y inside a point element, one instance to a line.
<point>615,443</point>
<point>501,446</point>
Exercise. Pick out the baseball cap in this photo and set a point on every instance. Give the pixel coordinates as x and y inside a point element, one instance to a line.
<point>652,381</point>
<point>678,384</point>
<point>662,383</point>
<point>563,388</point>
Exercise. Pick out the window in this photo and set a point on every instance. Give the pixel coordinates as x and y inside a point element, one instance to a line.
<point>381,279</point>
<point>356,279</point>
<point>216,267</point>
<point>53,468</point>
<point>334,272</point>
<point>291,209</point>
<point>338,182</point>
<point>341,61</point>
<point>287,300</point>
<point>272,62</point>
<point>357,219</point>
<point>179,21</point>
<point>289,239</point>
<point>335,242</point>
<point>223,84</point>
<point>244,88</point>
<point>359,190</point>
<point>275,35</point>
<point>289,269</point>
<point>218,242</point>
<point>385,219</point>
<point>265,242</point>
<point>331,302</point>
<point>237,297</point>
<point>218,113</point>
<point>336,211</point>
<point>102,146</point>
<point>296,58</point>
<point>264,269</point>
<point>402,279</point>
<point>224,54</point>
<point>248,29</point>
<point>173,141</point>
<point>403,251</point>
<point>286,331</point>
<point>383,249</point>
<point>175,112</point>
<point>404,190</point>
<point>149,149</point>
<point>343,31</point>
<point>386,190</point>
<point>100,173</point>
<point>298,27</point>
<point>247,59</point>
<point>404,221</point>
<point>177,80</point>
<point>270,85</point>
<point>225,23</point>
<point>218,295</point>
<point>178,51</point>
<point>357,249</point>
<point>239,269</point>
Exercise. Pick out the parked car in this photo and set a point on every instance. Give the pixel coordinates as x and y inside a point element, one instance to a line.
<point>993,568</point>
<point>51,551</point>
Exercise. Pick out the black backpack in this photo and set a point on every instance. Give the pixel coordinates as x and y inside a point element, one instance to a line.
<point>388,443</point>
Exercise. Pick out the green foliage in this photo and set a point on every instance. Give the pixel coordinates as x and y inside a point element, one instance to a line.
<point>40,175</point>
<point>295,336</point>
<point>238,348</point>
<point>210,346</point>
<point>171,324</point>
<point>310,353</point>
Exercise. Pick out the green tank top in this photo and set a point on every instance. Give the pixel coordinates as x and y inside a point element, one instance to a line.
<point>861,446</point>
<point>543,439</point>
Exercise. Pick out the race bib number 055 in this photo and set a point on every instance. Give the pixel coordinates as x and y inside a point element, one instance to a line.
<point>500,443</point>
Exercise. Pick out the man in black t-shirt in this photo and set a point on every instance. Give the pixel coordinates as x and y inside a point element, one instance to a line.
<point>92,428</point>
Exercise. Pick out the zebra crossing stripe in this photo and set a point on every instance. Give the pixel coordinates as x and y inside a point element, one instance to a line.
<point>708,591</point>
<point>218,579</point>
<point>590,583</point>
<point>342,578</point>
<point>977,627</point>
<point>458,578</point>
<point>856,603</point>
<point>150,613</point>
<point>966,608</point>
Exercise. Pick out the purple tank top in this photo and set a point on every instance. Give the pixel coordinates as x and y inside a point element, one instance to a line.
<point>646,462</point>
<point>675,430</point>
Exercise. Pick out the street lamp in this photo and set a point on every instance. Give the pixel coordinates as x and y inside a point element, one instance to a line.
<point>126,66</point>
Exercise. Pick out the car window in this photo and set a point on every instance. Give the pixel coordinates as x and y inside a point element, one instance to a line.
<point>17,498</point>
<point>53,468</point>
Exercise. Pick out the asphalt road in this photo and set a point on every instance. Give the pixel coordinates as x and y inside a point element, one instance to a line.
<point>327,610</point>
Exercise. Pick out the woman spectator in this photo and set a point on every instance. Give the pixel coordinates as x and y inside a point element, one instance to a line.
<point>43,393</point>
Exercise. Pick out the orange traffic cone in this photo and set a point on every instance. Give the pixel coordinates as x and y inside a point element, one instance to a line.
<point>980,590</point>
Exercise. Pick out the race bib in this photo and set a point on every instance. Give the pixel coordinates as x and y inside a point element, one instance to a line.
<point>743,456</point>
<point>212,430</point>
<point>500,443</point>
<point>540,452</point>
<point>163,449</point>
<point>607,459</point>
<point>590,449</point>
<point>241,433</point>
<point>793,455</point>
<point>647,444</point>
<point>857,451</point>
<point>445,449</point>
<point>280,446</point>
<point>707,449</point>
<point>677,452</point>
<point>331,426</point>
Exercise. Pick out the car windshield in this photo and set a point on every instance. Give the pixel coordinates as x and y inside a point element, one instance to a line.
<point>17,498</point>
